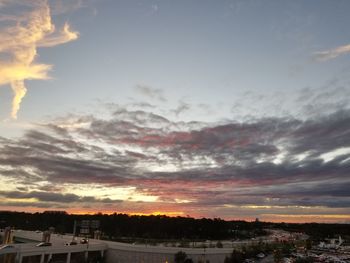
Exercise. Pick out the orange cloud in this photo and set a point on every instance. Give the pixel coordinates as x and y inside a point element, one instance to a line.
<point>332,53</point>
<point>309,218</point>
<point>19,41</point>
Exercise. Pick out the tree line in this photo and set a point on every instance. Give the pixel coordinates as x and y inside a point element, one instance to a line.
<point>115,226</point>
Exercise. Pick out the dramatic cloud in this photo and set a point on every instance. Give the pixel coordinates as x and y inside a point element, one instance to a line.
<point>332,53</point>
<point>265,168</point>
<point>20,37</point>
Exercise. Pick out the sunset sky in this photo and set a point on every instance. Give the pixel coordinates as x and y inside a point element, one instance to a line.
<point>234,109</point>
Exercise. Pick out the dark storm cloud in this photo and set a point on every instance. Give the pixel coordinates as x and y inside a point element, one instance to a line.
<point>246,163</point>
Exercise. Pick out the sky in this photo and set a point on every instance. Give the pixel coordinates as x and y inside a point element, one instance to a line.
<point>232,109</point>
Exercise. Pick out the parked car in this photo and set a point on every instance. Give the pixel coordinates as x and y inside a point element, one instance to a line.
<point>44,244</point>
<point>84,241</point>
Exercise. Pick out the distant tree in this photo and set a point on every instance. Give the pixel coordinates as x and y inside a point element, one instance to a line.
<point>188,260</point>
<point>180,257</point>
<point>117,226</point>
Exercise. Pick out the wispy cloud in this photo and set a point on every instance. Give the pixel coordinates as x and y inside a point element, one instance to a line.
<point>183,107</point>
<point>20,37</point>
<point>332,53</point>
<point>155,7</point>
<point>150,92</point>
<point>52,197</point>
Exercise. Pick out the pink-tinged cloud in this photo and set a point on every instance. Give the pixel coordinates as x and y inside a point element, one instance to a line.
<point>233,170</point>
<point>332,53</point>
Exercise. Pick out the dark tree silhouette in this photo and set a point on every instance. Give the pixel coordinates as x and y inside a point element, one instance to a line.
<point>236,257</point>
<point>126,228</point>
<point>180,257</point>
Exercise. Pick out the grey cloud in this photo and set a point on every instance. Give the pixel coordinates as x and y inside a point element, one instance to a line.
<point>41,196</point>
<point>304,104</point>
<point>331,53</point>
<point>183,107</point>
<point>54,197</point>
<point>33,204</point>
<point>143,105</point>
<point>119,151</point>
<point>150,92</point>
<point>323,135</point>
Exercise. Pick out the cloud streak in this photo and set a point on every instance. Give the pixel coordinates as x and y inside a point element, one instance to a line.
<point>20,37</point>
<point>332,53</point>
<point>53,197</point>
